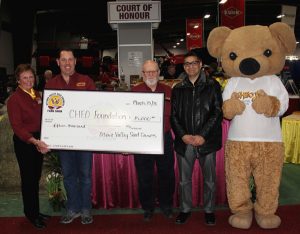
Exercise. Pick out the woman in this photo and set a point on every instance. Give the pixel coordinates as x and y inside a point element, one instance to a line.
<point>24,112</point>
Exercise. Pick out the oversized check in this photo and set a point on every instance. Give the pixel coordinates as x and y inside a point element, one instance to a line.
<point>103,121</point>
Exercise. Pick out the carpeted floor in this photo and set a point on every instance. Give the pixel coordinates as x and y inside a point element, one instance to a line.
<point>123,221</point>
<point>134,224</point>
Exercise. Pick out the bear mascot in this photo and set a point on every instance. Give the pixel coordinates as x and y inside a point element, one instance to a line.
<point>254,99</point>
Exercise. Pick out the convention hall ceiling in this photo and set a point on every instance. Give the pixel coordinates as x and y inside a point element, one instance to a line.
<point>88,18</point>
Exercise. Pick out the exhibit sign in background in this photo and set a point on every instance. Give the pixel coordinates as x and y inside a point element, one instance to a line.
<point>103,121</point>
<point>133,11</point>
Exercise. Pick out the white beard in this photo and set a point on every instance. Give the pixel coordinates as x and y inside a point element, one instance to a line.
<point>151,82</point>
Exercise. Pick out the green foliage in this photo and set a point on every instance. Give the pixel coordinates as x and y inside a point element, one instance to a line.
<point>54,181</point>
<point>51,163</point>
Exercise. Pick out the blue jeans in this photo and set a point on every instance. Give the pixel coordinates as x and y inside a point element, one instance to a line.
<point>77,172</point>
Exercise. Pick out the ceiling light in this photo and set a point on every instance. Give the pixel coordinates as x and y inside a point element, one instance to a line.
<point>181,39</point>
<point>174,46</point>
<point>280,16</point>
<point>177,43</point>
<point>196,26</point>
<point>222,1</point>
<point>188,34</point>
<point>206,16</point>
<point>297,42</point>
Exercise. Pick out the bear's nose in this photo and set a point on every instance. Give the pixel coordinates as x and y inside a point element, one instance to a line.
<point>249,66</point>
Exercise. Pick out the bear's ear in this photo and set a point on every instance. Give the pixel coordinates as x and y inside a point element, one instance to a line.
<point>216,40</point>
<point>285,36</point>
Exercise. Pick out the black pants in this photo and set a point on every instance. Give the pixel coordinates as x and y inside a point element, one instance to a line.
<point>166,179</point>
<point>30,163</point>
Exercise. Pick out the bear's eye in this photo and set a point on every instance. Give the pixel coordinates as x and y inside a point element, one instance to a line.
<point>232,56</point>
<point>267,53</point>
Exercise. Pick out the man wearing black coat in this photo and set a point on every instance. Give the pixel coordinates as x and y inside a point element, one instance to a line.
<point>196,119</point>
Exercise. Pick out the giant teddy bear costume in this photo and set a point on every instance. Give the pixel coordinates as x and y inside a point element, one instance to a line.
<point>254,99</point>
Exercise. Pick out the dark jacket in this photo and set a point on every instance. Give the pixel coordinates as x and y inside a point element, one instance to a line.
<point>197,110</point>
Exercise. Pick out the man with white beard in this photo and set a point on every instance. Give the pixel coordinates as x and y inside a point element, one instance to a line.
<point>145,164</point>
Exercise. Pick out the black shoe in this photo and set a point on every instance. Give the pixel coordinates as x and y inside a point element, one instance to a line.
<point>44,217</point>
<point>38,223</point>
<point>168,213</point>
<point>210,219</point>
<point>148,214</point>
<point>182,217</point>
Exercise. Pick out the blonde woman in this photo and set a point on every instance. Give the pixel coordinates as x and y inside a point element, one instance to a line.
<point>24,112</point>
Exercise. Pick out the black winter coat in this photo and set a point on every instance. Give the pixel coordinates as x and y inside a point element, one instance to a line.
<point>197,110</point>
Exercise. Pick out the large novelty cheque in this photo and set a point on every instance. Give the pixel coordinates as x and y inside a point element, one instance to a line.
<point>103,121</point>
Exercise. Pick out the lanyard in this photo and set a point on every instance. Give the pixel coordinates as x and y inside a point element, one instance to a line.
<point>31,93</point>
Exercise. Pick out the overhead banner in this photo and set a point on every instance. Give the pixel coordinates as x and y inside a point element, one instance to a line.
<point>194,32</point>
<point>233,13</point>
<point>289,13</point>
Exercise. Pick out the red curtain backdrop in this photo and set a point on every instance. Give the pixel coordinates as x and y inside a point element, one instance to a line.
<point>115,183</point>
<point>233,13</point>
<point>194,38</point>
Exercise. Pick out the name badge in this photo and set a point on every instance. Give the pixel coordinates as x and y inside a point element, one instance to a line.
<point>80,84</point>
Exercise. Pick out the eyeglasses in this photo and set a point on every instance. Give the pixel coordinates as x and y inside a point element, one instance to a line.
<point>150,72</point>
<point>194,63</point>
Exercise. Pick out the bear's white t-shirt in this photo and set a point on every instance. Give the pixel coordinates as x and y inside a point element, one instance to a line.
<point>250,126</point>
